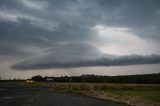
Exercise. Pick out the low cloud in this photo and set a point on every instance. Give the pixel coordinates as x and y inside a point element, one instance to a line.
<point>67,56</point>
<point>105,61</point>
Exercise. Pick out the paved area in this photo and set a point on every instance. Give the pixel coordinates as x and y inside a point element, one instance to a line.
<point>26,96</point>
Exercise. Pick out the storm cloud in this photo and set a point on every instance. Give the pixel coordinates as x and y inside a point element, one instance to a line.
<point>70,58</point>
<point>76,33</point>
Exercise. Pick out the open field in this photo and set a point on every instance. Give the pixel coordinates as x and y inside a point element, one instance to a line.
<point>133,94</point>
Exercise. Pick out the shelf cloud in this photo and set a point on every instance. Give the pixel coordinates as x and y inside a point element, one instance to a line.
<point>68,56</point>
<point>39,34</point>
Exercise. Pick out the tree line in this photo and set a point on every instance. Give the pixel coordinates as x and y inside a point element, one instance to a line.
<point>135,79</point>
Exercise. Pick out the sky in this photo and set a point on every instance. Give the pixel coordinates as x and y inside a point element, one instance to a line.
<point>55,37</point>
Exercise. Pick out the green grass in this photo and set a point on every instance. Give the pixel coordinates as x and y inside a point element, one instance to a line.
<point>150,96</point>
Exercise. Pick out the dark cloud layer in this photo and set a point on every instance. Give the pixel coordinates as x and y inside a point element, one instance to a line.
<point>63,29</point>
<point>101,61</point>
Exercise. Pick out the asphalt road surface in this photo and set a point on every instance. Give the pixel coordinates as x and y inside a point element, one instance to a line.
<point>28,96</point>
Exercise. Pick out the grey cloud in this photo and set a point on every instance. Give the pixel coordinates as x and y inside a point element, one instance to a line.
<point>140,15</point>
<point>50,61</point>
<point>22,35</point>
<point>69,55</point>
<point>59,23</point>
<point>13,50</point>
<point>65,53</point>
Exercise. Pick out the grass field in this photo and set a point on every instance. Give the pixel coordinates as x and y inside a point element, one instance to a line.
<point>134,94</point>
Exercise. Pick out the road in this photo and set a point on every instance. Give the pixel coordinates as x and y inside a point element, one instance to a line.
<point>29,96</point>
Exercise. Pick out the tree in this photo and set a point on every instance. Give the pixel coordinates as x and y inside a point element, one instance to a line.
<point>38,78</point>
